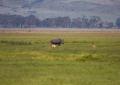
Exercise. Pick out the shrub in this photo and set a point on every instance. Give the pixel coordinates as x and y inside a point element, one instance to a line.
<point>16,42</point>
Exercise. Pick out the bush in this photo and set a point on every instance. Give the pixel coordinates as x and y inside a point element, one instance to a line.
<point>16,42</point>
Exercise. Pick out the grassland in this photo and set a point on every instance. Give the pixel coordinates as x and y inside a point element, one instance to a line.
<point>26,58</point>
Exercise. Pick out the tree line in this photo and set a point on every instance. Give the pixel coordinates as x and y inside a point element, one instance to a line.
<point>18,21</point>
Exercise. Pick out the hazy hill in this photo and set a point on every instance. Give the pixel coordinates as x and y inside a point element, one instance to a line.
<point>107,9</point>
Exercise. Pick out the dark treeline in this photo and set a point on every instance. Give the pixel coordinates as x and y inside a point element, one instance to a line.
<point>15,42</point>
<point>17,21</point>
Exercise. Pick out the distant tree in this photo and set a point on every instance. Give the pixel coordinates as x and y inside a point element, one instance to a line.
<point>66,22</point>
<point>62,22</point>
<point>31,21</point>
<point>10,21</point>
<point>110,24</point>
<point>100,24</point>
<point>17,21</point>
<point>76,22</point>
<point>95,22</point>
<point>48,22</point>
<point>84,22</point>
<point>118,22</point>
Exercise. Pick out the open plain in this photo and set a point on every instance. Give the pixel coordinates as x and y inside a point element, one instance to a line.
<point>87,57</point>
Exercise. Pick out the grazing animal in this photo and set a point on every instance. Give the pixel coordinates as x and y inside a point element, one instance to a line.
<point>93,45</point>
<point>56,42</point>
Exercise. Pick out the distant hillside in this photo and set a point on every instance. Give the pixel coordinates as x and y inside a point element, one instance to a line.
<point>106,9</point>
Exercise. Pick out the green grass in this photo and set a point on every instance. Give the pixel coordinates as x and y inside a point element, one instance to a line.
<point>74,63</point>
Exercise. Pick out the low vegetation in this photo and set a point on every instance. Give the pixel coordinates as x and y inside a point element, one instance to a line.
<point>15,42</point>
<point>29,59</point>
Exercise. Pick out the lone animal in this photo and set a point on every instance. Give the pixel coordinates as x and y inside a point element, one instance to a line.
<point>56,42</point>
<point>93,45</point>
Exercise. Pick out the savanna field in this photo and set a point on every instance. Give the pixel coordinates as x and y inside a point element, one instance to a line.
<point>85,58</point>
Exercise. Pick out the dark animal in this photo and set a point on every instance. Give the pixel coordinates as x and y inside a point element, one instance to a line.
<point>56,42</point>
